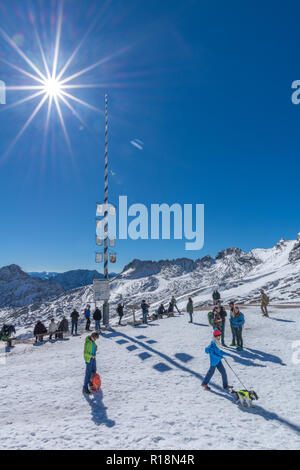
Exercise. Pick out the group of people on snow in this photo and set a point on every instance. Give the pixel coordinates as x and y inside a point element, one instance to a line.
<point>54,329</point>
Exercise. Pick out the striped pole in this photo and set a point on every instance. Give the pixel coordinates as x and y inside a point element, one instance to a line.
<point>106,306</point>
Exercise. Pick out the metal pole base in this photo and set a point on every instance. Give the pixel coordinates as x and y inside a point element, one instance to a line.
<point>106,313</point>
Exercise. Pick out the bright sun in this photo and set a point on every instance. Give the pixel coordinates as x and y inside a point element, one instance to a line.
<point>52,87</point>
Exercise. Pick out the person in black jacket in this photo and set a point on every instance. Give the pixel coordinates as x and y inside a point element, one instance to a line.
<point>120,311</point>
<point>223,315</point>
<point>64,325</point>
<point>39,329</point>
<point>97,317</point>
<point>161,311</point>
<point>74,319</point>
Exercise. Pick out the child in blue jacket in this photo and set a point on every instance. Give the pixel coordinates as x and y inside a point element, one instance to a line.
<point>216,356</point>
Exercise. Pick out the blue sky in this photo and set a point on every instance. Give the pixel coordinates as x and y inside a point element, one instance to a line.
<point>206,86</point>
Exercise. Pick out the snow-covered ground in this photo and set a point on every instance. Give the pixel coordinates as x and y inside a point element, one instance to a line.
<point>151,396</point>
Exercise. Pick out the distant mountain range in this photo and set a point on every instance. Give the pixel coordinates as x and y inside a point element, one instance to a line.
<point>238,276</point>
<point>70,279</point>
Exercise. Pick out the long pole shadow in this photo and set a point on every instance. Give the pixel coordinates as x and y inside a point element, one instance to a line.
<point>165,357</point>
<point>267,415</point>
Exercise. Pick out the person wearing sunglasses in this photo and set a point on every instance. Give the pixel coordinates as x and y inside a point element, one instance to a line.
<point>238,321</point>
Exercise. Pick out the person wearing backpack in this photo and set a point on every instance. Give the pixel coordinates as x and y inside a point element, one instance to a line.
<point>120,312</point>
<point>97,317</point>
<point>89,354</point>
<point>264,299</point>
<point>190,309</point>
<point>87,316</point>
<point>74,321</point>
<point>6,332</point>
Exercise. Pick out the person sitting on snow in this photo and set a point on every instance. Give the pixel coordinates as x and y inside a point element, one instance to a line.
<point>39,330</point>
<point>161,311</point>
<point>52,329</point>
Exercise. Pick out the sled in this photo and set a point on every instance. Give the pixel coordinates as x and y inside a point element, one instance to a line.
<point>96,383</point>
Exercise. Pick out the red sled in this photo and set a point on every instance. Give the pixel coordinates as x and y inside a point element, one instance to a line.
<point>96,383</point>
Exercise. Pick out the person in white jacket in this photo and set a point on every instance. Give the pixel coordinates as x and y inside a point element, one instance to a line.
<point>52,328</point>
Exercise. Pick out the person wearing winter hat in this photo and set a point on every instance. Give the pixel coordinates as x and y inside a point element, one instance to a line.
<point>216,355</point>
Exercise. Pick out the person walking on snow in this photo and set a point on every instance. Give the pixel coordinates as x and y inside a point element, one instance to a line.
<point>190,309</point>
<point>97,317</point>
<point>89,354</point>
<point>223,315</point>
<point>87,316</point>
<point>216,355</point>
<point>145,310</point>
<point>216,296</point>
<point>264,299</point>
<point>74,321</point>
<point>238,320</point>
<point>231,307</point>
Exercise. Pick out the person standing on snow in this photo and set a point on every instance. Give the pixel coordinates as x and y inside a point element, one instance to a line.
<point>216,355</point>
<point>190,309</point>
<point>216,296</point>
<point>120,312</point>
<point>74,320</point>
<point>231,306</point>
<point>87,316</point>
<point>223,315</point>
<point>97,317</point>
<point>264,299</point>
<point>145,310</point>
<point>238,320</point>
<point>89,354</point>
<point>174,304</point>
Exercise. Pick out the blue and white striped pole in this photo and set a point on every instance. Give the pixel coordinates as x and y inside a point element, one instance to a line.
<point>106,305</point>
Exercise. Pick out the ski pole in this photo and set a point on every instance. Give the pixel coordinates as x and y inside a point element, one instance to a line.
<point>235,373</point>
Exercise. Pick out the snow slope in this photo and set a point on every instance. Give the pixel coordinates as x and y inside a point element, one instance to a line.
<point>237,274</point>
<point>17,288</point>
<point>151,396</point>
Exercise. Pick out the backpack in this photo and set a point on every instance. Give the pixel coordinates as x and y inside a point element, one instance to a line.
<point>210,317</point>
<point>6,332</point>
<point>96,383</point>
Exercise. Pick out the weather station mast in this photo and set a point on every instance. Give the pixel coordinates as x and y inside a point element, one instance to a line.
<point>101,286</point>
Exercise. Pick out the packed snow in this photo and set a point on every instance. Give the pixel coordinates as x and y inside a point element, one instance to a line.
<point>151,395</point>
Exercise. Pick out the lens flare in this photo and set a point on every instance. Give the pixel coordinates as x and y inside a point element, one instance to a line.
<point>51,86</point>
